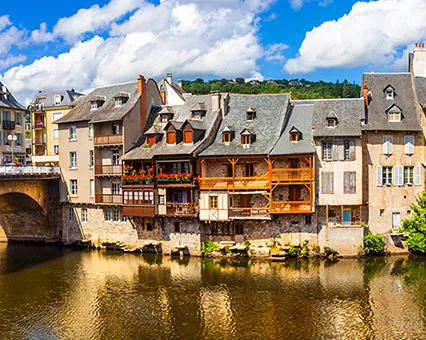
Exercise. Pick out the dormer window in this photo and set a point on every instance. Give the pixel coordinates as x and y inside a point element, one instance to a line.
<point>93,105</point>
<point>251,113</point>
<point>196,114</point>
<point>187,137</point>
<point>120,99</point>
<point>294,135</point>
<point>150,140</point>
<point>389,92</point>
<point>171,138</point>
<point>247,137</point>
<point>58,100</point>
<point>245,140</point>
<point>198,111</point>
<point>394,114</point>
<point>331,122</point>
<point>164,118</point>
<point>226,137</point>
<point>118,102</point>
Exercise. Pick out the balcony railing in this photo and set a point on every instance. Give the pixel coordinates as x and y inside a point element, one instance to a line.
<point>108,140</point>
<point>109,199</point>
<point>19,170</point>
<point>287,207</point>
<point>236,183</point>
<point>181,209</point>
<point>249,213</point>
<point>108,170</point>
<point>145,210</point>
<point>292,175</point>
<point>8,125</point>
<point>39,125</point>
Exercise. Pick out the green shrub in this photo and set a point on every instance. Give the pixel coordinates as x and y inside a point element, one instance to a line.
<point>330,251</point>
<point>305,251</point>
<point>208,247</point>
<point>374,244</point>
<point>415,225</point>
<point>316,249</point>
<point>417,242</point>
<point>293,251</point>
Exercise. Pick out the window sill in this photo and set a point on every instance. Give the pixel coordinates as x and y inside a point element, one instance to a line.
<point>74,196</point>
<point>72,139</point>
<point>73,169</point>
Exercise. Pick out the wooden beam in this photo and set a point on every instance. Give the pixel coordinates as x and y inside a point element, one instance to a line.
<point>326,222</point>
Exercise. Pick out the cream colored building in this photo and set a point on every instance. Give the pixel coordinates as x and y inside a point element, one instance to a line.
<point>46,108</point>
<point>93,136</point>
<point>12,123</point>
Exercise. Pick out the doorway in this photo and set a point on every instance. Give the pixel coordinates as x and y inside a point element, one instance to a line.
<point>347,216</point>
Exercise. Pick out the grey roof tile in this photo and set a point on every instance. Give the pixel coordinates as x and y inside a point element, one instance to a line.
<point>68,98</point>
<point>7,100</point>
<point>420,86</point>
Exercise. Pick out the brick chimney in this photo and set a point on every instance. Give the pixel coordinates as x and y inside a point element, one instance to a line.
<point>365,93</point>
<point>419,60</point>
<point>142,100</point>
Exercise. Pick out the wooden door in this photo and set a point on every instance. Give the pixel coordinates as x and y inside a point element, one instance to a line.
<point>245,201</point>
<point>294,193</point>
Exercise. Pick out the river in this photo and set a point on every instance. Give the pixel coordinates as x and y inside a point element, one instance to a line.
<point>48,292</point>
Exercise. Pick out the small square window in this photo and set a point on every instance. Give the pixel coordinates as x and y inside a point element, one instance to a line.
<point>308,219</point>
<point>226,137</point>
<point>177,227</point>
<point>331,122</point>
<point>245,139</point>
<point>213,202</point>
<point>239,229</point>
<point>381,212</point>
<point>332,213</point>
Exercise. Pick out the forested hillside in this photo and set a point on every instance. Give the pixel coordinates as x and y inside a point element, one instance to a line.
<point>299,88</point>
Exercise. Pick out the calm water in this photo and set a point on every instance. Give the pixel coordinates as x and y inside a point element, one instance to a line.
<point>52,293</point>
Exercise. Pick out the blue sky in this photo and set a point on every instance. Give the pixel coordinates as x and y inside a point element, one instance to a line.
<point>84,44</point>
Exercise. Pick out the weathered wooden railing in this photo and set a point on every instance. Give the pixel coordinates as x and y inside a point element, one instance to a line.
<point>108,169</point>
<point>234,183</point>
<point>108,140</point>
<point>109,198</point>
<point>181,209</point>
<point>249,213</point>
<point>292,175</point>
<point>290,207</point>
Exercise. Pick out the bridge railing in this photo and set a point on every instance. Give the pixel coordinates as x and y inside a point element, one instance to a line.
<point>19,170</point>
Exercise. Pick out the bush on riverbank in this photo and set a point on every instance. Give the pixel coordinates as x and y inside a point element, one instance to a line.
<point>209,247</point>
<point>374,244</point>
<point>416,225</point>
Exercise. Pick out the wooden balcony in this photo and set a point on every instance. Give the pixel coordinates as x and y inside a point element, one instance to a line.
<point>288,207</point>
<point>261,213</point>
<point>234,183</point>
<point>106,140</point>
<point>181,209</point>
<point>109,199</point>
<point>108,170</point>
<point>144,210</point>
<point>292,175</point>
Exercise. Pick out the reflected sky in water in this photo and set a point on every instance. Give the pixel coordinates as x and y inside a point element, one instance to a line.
<point>49,292</point>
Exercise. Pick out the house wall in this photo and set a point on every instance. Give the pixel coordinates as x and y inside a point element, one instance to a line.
<point>18,129</point>
<point>217,167</point>
<point>391,199</point>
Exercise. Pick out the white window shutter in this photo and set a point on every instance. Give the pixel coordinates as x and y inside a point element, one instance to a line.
<point>407,145</point>
<point>411,145</point>
<point>385,144</point>
<point>396,175</point>
<point>417,175</point>
<point>379,176</point>
<point>390,145</point>
<point>401,175</point>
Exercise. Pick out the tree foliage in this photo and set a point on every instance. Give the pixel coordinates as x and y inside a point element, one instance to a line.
<point>416,225</point>
<point>299,88</point>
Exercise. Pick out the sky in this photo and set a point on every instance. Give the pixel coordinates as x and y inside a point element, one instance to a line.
<point>50,45</point>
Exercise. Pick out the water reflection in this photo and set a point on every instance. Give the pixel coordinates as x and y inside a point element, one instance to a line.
<point>98,295</point>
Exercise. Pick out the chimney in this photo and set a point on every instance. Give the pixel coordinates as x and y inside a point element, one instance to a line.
<point>180,83</point>
<point>215,100</point>
<point>417,65</point>
<point>163,95</point>
<point>142,101</point>
<point>365,93</point>
<point>169,78</point>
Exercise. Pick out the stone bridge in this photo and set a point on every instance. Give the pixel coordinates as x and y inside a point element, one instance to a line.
<point>29,204</point>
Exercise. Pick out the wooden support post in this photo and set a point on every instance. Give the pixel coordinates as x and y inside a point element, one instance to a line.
<point>341,217</point>
<point>326,222</point>
<point>360,214</point>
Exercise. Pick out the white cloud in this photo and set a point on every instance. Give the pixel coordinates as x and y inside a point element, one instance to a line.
<point>274,52</point>
<point>11,36</point>
<point>298,4</point>
<point>4,22</point>
<point>11,60</point>
<point>187,37</point>
<point>369,34</point>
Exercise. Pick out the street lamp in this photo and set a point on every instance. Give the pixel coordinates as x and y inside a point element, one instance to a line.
<point>13,139</point>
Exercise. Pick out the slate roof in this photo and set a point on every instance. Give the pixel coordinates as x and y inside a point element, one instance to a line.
<point>299,117</point>
<point>182,113</point>
<point>377,118</point>
<point>268,124</point>
<point>9,100</point>
<point>107,112</point>
<point>68,98</point>
<point>348,112</point>
<point>420,86</point>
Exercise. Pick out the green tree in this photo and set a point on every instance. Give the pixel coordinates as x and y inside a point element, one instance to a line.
<point>416,225</point>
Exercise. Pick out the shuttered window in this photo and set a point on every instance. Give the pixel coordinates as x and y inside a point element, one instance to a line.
<point>387,175</point>
<point>326,150</point>
<point>398,175</point>
<point>349,182</point>
<point>387,145</point>
<point>379,176</point>
<point>171,137</point>
<point>417,175</point>
<point>327,182</point>
<point>409,145</point>
<point>408,175</point>
<point>187,137</point>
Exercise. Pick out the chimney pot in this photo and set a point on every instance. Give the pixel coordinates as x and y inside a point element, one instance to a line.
<point>169,78</point>
<point>180,84</point>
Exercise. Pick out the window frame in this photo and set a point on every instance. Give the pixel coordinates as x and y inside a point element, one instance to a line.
<point>73,160</point>
<point>169,134</point>
<point>327,150</point>
<point>73,187</point>
<point>245,139</point>
<point>387,174</point>
<point>226,137</point>
<point>213,202</point>
<point>84,215</point>
<point>185,133</point>
<point>72,132</point>
<point>408,174</point>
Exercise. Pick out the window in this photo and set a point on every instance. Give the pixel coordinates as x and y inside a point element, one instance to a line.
<point>18,118</point>
<point>346,150</point>
<point>394,114</point>
<point>177,227</point>
<point>381,212</point>
<point>408,175</point>
<point>389,93</point>
<point>18,141</point>
<point>149,227</point>
<point>308,219</point>
<point>249,170</point>
<point>161,200</point>
<point>387,175</point>
<point>331,122</point>
<point>72,133</point>
<point>171,138</point>
<point>116,215</point>
<point>55,133</point>
<point>118,102</point>
<point>93,105</point>
<point>83,215</point>
<point>164,118</point>
<point>91,158</point>
<point>90,131</point>
<point>196,114</point>
<point>56,116</point>
<point>327,182</point>
<point>396,220</point>
<point>239,229</point>
<point>115,129</point>
<point>56,149</point>
<point>115,188</point>
<point>294,137</point>
<point>115,157</point>
<point>187,137</point>
<point>71,214</point>
<point>326,150</point>
<point>409,145</point>
<point>150,140</point>
<point>226,137</point>
<point>251,114</point>
<point>213,202</point>
<point>73,187</point>
<point>123,219</point>
<point>349,182</point>
<point>58,99</point>
<point>245,139</point>
<point>107,214</point>
<point>92,188</point>
<point>387,145</point>
<point>73,160</point>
